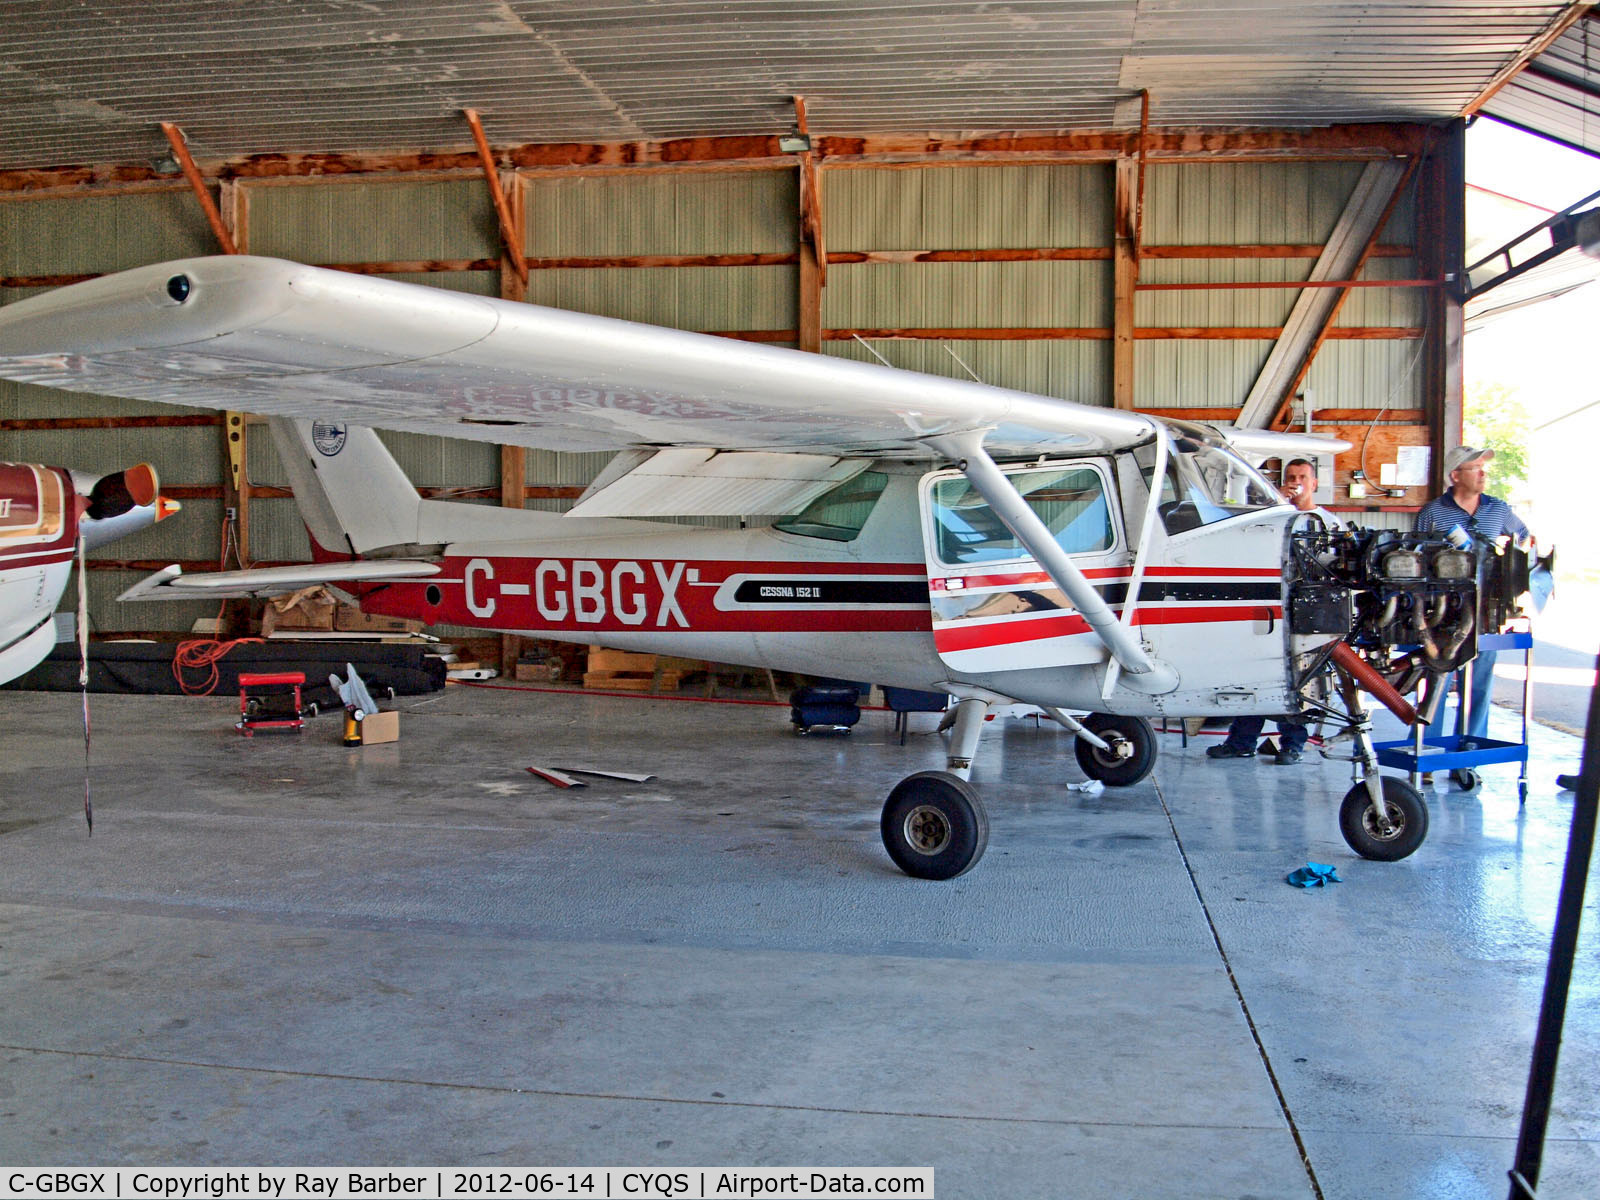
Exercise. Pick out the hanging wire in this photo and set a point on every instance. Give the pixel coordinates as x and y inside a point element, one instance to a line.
<point>83,675</point>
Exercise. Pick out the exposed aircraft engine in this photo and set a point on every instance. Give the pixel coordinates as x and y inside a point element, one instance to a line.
<point>1411,604</point>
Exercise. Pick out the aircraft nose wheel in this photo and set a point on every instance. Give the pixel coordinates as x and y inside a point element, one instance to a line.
<point>1131,754</point>
<point>934,826</point>
<point>1407,821</point>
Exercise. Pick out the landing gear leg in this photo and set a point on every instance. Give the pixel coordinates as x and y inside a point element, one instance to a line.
<point>964,740</point>
<point>934,825</point>
<point>1382,817</point>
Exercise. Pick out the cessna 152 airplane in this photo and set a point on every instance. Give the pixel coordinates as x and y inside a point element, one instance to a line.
<point>948,535</point>
<point>44,511</point>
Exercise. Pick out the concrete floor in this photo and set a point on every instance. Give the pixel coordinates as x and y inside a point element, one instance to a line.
<point>282,952</point>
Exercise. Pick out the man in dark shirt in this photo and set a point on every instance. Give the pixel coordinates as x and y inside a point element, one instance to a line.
<point>1465,504</point>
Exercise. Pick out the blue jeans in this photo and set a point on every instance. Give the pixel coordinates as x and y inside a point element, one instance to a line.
<point>1478,701</point>
<point>1292,732</point>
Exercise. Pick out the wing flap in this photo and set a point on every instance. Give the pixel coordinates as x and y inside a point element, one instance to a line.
<point>170,583</point>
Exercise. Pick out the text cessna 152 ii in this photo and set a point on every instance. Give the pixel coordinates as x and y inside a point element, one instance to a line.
<point>44,512</point>
<point>951,536</point>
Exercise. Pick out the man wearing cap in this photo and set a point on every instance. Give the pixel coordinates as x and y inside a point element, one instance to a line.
<point>1300,489</point>
<point>1466,505</point>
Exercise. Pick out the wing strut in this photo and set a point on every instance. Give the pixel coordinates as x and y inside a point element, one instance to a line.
<point>966,450</point>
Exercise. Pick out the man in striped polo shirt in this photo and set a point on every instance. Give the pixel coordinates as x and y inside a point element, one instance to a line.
<point>1465,504</point>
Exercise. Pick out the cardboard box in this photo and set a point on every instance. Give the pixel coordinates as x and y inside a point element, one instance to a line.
<point>307,609</point>
<point>347,618</point>
<point>380,727</point>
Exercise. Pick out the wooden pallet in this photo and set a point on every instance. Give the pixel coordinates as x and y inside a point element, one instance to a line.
<point>627,671</point>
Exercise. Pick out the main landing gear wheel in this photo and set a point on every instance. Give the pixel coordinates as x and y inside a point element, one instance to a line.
<point>934,826</point>
<point>1132,750</point>
<point>1408,821</point>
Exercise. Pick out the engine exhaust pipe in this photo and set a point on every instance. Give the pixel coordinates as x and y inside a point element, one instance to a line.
<point>1356,667</point>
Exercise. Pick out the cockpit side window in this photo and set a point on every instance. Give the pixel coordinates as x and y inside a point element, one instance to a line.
<point>1071,501</point>
<point>1205,484</point>
<point>838,515</point>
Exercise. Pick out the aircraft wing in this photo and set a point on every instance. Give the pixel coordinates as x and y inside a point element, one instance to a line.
<point>282,339</point>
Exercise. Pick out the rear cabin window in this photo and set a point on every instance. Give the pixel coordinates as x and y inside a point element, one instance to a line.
<point>839,514</point>
<point>1071,501</point>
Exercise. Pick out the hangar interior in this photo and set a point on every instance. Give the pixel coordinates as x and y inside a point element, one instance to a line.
<point>285,951</point>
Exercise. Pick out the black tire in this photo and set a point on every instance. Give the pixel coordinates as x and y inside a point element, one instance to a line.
<point>934,825</point>
<point>1133,734</point>
<point>1465,778</point>
<point>1407,814</point>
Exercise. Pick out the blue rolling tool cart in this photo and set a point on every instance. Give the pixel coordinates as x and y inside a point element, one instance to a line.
<point>1446,753</point>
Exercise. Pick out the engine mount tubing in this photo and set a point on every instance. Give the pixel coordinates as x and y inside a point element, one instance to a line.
<point>1349,661</point>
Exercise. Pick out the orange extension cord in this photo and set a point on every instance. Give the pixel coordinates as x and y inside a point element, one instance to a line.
<point>202,654</point>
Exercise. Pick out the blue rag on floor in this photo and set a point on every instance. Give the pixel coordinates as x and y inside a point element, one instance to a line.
<point>1312,875</point>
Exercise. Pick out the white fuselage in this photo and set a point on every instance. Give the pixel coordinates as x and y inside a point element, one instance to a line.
<point>880,607</point>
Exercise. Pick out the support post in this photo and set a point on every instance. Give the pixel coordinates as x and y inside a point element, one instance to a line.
<point>813,249</point>
<point>810,299</point>
<point>1124,279</point>
<point>513,459</point>
<point>1442,215</point>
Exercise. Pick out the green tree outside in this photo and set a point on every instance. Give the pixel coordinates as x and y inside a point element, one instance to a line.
<point>1496,418</point>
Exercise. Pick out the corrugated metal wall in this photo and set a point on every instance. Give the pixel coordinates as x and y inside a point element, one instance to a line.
<point>948,208</point>
<point>727,212</point>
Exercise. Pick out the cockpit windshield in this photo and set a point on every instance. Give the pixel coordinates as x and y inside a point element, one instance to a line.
<point>1205,483</point>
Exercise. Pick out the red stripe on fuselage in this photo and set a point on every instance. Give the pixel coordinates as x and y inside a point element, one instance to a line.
<point>1013,632</point>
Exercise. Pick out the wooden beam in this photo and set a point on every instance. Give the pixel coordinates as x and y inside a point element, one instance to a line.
<point>491,176</point>
<point>1245,333</point>
<point>1300,284</point>
<point>29,424</point>
<point>1125,277</point>
<point>1019,254</point>
<point>1562,22</point>
<point>415,266</point>
<point>45,281</point>
<point>1275,250</point>
<point>180,151</point>
<point>1222,144</point>
<point>609,261</point>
